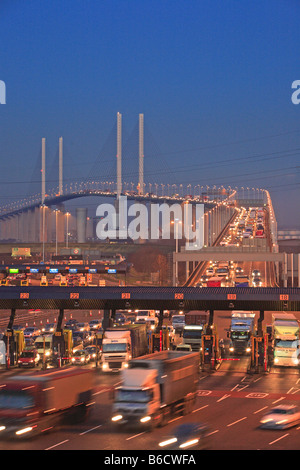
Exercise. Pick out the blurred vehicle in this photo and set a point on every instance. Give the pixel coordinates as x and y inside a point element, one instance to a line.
<point>210,271</point>
<point>281,417</point>
<point>71,322</point>
<point>31,331</point>
<point>94,352</point>
<point>178,322</point>
<point>29,358</point>
<point>186,436</point>
<point>81,357</point>
<point>151,323</point>
<point>30,404</point>
<point>77,340</point>
<point>239,270</point>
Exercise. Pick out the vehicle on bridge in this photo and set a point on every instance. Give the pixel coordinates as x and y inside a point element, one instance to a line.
<point>240,332</point>
<point>285,333</point>
<point>154,387</point>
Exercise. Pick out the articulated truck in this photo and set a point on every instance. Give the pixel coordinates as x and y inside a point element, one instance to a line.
<point>285,333</point>
<point>241,330</point>
<point>154,387</point>
<point>120,344</point>
<point>31,404</point>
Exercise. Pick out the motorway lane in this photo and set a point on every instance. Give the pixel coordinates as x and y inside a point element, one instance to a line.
<point>230,403</point>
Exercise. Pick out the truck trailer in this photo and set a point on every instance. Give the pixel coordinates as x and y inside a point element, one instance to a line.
<point>155,387</point>
<point>31,404</point>
<point>241,330</point>
<point>120,344</point>
<point>285,334</point>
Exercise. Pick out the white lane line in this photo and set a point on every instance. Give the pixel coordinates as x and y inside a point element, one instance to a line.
<point>90,430</point>
<point>175,419</point>
<point>238,421</point>
<point>58,444</point>
<point>101,391</point>
<point>261,409</point>
<point>198,409</point>
<point>256,380</point>
<point>234,387</point>
<point>213,432</point>
<point>243,388</point>
<point>136,435</point>
<point>223,398</point>
<point>279,399</point>
<point>276,440</point>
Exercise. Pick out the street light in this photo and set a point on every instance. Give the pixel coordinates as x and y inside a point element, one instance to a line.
<point>67,232</point>
<point>56,212</point>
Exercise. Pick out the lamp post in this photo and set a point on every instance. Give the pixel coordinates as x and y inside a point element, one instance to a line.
<point>67,230</point>
<point>56,212</point>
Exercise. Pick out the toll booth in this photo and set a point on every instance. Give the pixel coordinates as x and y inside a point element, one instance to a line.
<point>15,343</point>
<point>260,353</point>
<point>4,282</point>
<point>210,355</point>
<point>159,341</point>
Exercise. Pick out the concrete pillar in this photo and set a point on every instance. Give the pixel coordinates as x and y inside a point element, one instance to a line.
<point>81,217</point>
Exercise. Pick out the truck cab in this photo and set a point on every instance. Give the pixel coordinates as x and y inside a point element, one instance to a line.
<point>138,399</point>
<point>116,350</point>
<point>241,330</point>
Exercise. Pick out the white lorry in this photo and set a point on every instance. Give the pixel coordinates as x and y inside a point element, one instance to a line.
<point>154,387</point>
<point>285,333</point>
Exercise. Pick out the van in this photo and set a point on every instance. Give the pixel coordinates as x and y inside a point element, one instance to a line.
<point>143,315</point>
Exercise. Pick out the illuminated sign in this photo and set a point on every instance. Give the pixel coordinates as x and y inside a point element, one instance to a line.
<point>72,270</point>
<point>111,271</point>
<point>13,271</point>
<point>34,270</point>
<point>53,270</point>
<point>92,271</point>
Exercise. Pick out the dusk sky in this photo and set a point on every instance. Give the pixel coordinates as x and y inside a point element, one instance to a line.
<point>213,79</point>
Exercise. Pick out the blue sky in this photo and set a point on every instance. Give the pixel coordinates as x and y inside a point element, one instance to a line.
<point>213,79</point>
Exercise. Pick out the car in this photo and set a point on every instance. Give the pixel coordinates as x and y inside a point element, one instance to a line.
<point>81,357</point>
<point>185,437</point>
<point>210,271</point>
<point>257,282</point>
<point>49,328</point>
<point>29,358</point>
<point>95,324</point>
<point>239,270</point>
<point>83,327</point>
<point>255,273</point>
<point>94,352</point>
<point>281,417</point>
<point>31,331</point>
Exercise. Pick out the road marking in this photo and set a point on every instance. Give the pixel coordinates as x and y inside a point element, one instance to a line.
<point>89,430</point>
<point>223,398</point>
<point>256,380</point>
<point>136,435</point>
<point>279,399</point>
<point>276,440</point>
<point>59,444</point>
<point>261,409</point>
<point>101,391</point>
<point>198,409</point>
<point>257,395</point>
<point>234,387</point>
<point>213,432</point>
<point>175,419</point>
<point>202,393</point>
<point>243,388</point>
<point>231,424</point>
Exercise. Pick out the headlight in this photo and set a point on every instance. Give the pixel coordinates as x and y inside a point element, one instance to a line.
<point>117,418</point>
<point>296,361</point>
<point>248,349</point>
<point>23,431</point>
<point>276,360</point>
<point>2,428</point>
<point>168,442</point>
<point>82,359</point>
<point>126,365</point>
<point>47,353</point>
<point>145,419</point>
<point>231,349</point>
<point>104,365</point>
<point>281,421</point>
<point>189,443</point>
<point>73,359</point>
